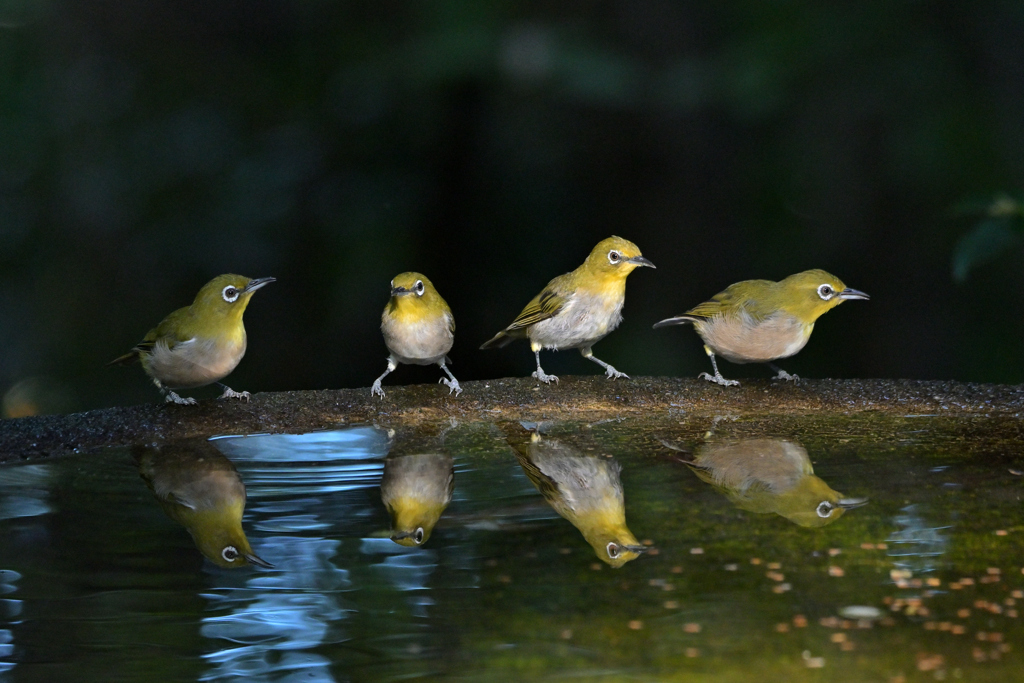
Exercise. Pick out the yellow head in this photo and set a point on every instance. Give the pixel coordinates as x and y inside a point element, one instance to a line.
<point>413,295</point>
<point>225,298</point>
<point>219,536</point>
<point>812,293</point>
<point>614,258</point>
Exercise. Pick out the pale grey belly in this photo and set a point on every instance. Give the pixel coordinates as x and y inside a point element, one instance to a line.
<point>583,322</point>
<point>192,364</point>
<point>420,343</point>
<point>740,339</point>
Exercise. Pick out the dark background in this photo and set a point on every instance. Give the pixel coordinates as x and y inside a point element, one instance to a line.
<point>146,147</point>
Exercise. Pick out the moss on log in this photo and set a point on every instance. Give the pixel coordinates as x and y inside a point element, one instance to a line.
<point>574,398</point>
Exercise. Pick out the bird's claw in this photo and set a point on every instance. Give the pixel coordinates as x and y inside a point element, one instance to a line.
<point>375,390</point>
<point>718,379</point>
<point>788,377</point>
<point>240,395</point>
<point>453,385</point>
<point>612,373</point>
<point>171,397</point>
<point>544,377</point>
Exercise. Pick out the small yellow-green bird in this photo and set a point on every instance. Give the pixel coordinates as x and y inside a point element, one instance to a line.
<point>418,328</point>
<point>759,321</point>
<point>764,475</point>
<point>200,489</point>
<point>587,491</point>
<point>416,489</point>
<point>578,309</point>
<point>198,344</point>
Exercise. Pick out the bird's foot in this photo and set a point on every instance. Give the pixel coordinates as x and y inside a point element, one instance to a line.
<point>544,377</point>
<point>612,373</point>
<point>375,390</point>
<point>240,395</point>
<point>718,379</point>
<point>452,384</point>
<point>171,397</point>
<point>788,377</point>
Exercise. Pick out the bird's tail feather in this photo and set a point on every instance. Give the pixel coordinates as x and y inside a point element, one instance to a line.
<point>126,359</point>
<point>497,341</point>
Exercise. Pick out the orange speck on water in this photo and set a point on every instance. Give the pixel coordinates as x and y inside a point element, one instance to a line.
<point>782,628</point>
<point>691,627</point>
<point>800,621</point>
<point>636,625</point>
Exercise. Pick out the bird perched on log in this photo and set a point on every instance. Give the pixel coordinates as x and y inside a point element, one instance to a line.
<point>578,309</point>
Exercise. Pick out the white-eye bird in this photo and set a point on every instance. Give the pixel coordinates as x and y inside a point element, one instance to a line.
<point>760,321</point>
<point>765,475</point>
<point>416,489</point>
<point>200,489</point>
<point>578,309</point>
<point>199,344</point>
<point>587,491</point>
<point>418,328</point>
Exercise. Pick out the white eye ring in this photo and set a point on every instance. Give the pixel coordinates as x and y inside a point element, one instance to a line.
<point>419,288</point>
<point>614,257</point>
<point>824,509</point>
<point>612,549</point>
<point>230,554</point>
<point>230,294</point>
<point>418,536</point>
<point>826,292</point>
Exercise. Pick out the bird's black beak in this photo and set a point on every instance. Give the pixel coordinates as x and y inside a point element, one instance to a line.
<point>257,283</point>
<point>399,291</point>
<point>640,261</point>
<point>850,503</point>
<point>852,294</point>
<point>253,558</point>
<point>638,549</point>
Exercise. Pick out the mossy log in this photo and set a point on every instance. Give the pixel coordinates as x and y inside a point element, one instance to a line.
<point>574,398</point>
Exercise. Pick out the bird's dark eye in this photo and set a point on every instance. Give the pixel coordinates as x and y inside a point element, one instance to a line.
<point>419,287</point>
<point>614,256</point>
<point>230,294</point>
<point>229,553</point>
<point>826,292</point>
<point>824,509</point>
<point>418,536</point>
<point>612,548</point>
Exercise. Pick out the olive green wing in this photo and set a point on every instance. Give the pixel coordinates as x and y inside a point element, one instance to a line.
<point>543,306</point>
<point>173,330</point>
<point>547,486</point>
<point>742,296</point>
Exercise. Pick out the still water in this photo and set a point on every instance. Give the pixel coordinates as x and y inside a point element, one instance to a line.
<point>610,551</point>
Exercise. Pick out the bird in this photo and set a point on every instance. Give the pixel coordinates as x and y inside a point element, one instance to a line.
<point>578,309</point>
<point>200,488</point>
<point>418,328</point>
<point>584,489</point>
<point>198,344</point>
<point>760,321</point>
<point>766,475</point>
<point>416,489</point>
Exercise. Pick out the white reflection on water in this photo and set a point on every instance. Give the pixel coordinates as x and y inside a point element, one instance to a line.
<point>24,491</point>
<point>268,624</point>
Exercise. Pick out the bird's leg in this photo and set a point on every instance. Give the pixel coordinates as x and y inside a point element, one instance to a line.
<point>782,374</point>
<point>717,379</point>
<point>171,397</point>
<point>451,382</point>
<point>609,371</point>
<point>375,390</point>
<point>231,393</point>
<point>540,374</point>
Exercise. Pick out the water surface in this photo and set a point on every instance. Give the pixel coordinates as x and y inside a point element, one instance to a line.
<point>912,571</point>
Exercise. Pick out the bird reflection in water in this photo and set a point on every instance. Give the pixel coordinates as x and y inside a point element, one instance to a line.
<point>587,491</point>
<point>416,489</point>
<point>765,475</point>
<point>200,489</point>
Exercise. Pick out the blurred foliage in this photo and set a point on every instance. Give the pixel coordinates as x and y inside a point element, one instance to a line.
<point>999,228</point>
<point>146,147</point>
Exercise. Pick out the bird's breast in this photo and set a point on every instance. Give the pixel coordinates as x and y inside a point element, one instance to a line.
<point>742,339</point>
<point>586,318</point>
<point>196,362</point>
<point>417,339</point>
